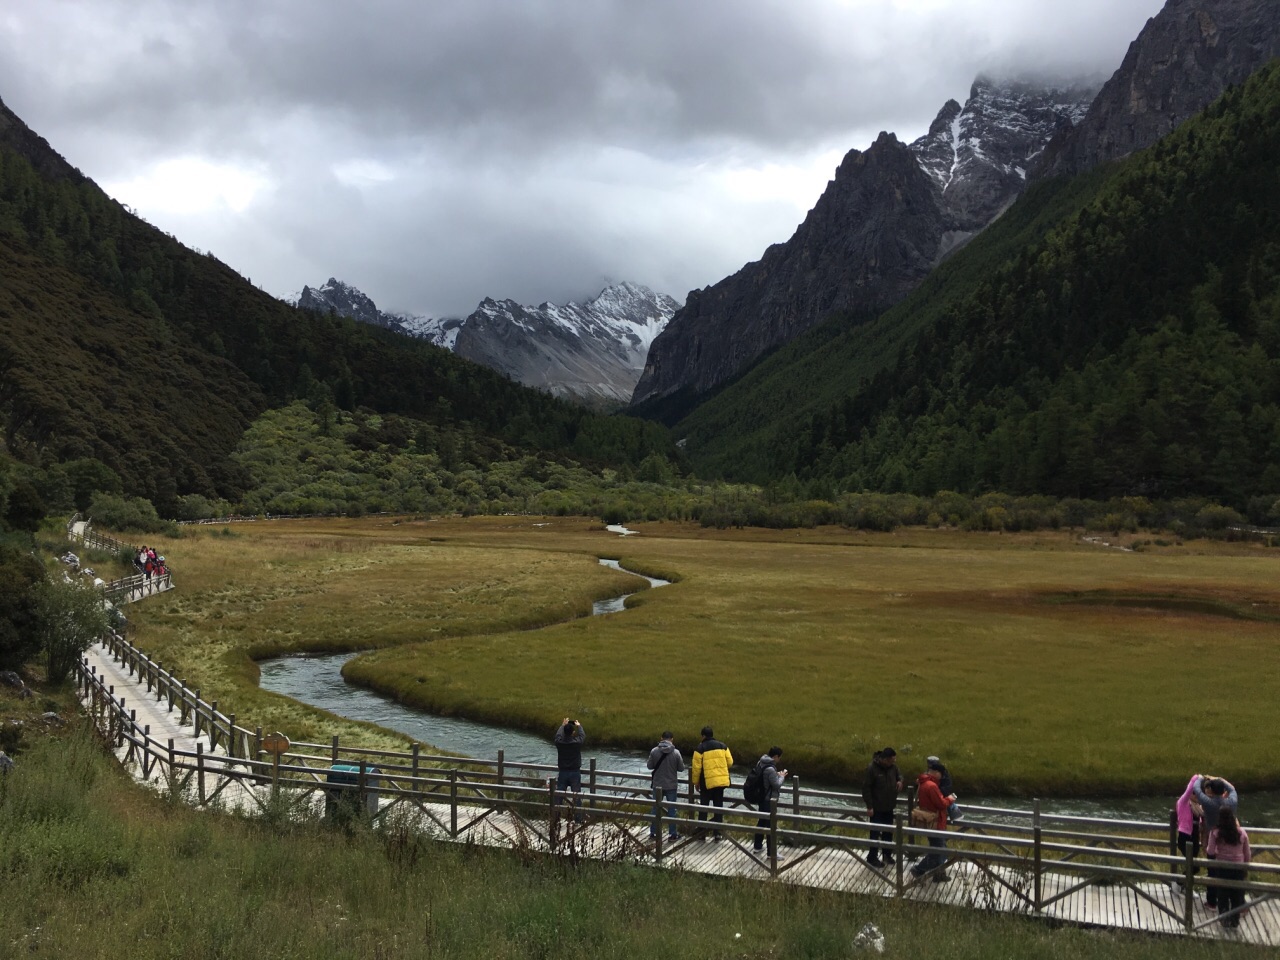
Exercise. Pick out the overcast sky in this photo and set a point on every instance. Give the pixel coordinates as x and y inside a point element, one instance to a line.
<point>435,152</point>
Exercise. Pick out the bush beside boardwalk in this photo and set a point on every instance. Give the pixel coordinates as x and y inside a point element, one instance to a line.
<point>93,866</point>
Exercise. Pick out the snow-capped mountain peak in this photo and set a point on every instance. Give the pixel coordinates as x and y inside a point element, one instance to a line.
<point>979,153</point>
<point>592,351</point>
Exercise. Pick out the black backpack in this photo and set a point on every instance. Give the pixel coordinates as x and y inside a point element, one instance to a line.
<point>753,788</point>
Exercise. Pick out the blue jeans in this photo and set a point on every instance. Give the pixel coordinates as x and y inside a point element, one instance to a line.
<point>670,796</point>
<point>933,859</point>
<point>569,780</point>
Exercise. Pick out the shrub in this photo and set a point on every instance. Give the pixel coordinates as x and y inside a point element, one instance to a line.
<point>127,513</point>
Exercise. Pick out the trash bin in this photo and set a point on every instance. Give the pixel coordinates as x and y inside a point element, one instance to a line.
<point>344,797</point>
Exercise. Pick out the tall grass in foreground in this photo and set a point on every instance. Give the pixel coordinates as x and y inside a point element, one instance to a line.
<point>91,866</point>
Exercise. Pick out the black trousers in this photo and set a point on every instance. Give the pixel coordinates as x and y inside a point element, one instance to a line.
<point>709,796</point>
<point>765,823</point>
<point>1227,898</point>
<point>885,837</point>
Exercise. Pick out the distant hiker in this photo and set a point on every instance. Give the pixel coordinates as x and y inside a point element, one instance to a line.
<point>710,775</point>
<point>666,763</point>
<point>141,560</point>
<point>931,814</point>
<point>1229,845</point>
<point>946,786</point>
<point>569,739</point>
<point>772,777</point>
<point>1214,795</point>
<point>881,785</point>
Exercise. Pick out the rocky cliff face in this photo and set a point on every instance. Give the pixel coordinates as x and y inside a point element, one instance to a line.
<point>889,216</point>
<point>346,301</point>
<point>591,352</point>
<point>1184,58</point>
<point>979,154</point>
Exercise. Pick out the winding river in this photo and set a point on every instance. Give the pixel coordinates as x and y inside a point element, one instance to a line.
<point>318,682</point>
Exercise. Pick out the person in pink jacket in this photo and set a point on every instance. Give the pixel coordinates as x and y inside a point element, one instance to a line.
<point>1229,845</point>
<point>1188,820</point>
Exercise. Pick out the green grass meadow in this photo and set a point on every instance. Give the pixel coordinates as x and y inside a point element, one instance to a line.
<point>1030,662</point>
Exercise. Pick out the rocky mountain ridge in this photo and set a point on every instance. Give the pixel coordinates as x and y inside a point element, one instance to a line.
<point>1185,58</point>
<point>890,214</point>
<point>592,352</point>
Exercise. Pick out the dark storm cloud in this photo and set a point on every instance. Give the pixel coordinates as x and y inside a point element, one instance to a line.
<point>437,152</point>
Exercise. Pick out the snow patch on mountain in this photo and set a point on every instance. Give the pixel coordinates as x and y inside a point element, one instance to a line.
<point>978,154</point>
<point>593,351</point>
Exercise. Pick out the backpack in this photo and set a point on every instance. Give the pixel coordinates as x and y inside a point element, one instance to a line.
<point>753,788</point>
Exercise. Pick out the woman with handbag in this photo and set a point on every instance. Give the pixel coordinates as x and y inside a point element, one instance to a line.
<point>930,813</point>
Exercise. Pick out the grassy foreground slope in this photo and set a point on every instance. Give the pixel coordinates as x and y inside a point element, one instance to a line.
<point>92,867</point>
<point>1032,662</point>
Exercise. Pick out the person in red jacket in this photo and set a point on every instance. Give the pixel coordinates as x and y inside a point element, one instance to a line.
<point>929,798</point>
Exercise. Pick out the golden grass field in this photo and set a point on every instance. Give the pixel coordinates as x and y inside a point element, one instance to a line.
<point>1006,654</point>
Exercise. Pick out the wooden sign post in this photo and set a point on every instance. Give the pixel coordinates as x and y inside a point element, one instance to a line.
<point>275,744</point>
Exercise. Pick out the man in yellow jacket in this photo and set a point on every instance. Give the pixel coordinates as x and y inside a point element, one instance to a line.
<point>710,772</point>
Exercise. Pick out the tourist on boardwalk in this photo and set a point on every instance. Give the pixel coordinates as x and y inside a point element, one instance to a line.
<point>931,804</point>
<point>881,785</point>
<point>1214,794</point>
<point>772,778</point>
<point>1229,846</point>
<point>1189,812</point>
<point>946,786</point>
<point>666,763</point>
<point>569,739</point>
<point>710,774</point>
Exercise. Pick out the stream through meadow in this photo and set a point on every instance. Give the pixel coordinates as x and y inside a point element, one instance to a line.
<point>318,682</point>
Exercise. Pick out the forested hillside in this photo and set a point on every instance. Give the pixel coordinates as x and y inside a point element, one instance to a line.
<point>120,344</point>
<point>1114,335</point>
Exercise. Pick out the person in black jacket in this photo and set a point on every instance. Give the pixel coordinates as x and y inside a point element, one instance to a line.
<point>880,788</point>
<point>569,739</point>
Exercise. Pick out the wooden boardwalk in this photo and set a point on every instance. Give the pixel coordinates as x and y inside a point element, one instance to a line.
<point>1090,885</point>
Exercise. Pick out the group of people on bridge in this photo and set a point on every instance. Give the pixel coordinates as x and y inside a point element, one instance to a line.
<point>147,562</point>
<point>709,774</point>
<point>1206,810</point>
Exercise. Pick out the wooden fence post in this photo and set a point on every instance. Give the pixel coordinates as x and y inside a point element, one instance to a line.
<point>657,824</point>
<point>502,775</point>
<point>592,802</point>
<point>1038,902</point>
<point>200,768</point>
<point>1188,891</point>
<point>551,812</point>
<point>453,803</point>
<point>773,835</point>
<point>334,754</point>
<point>900,854</point>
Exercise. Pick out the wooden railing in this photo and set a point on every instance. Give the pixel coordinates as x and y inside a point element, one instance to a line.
<point>1029,860</point>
